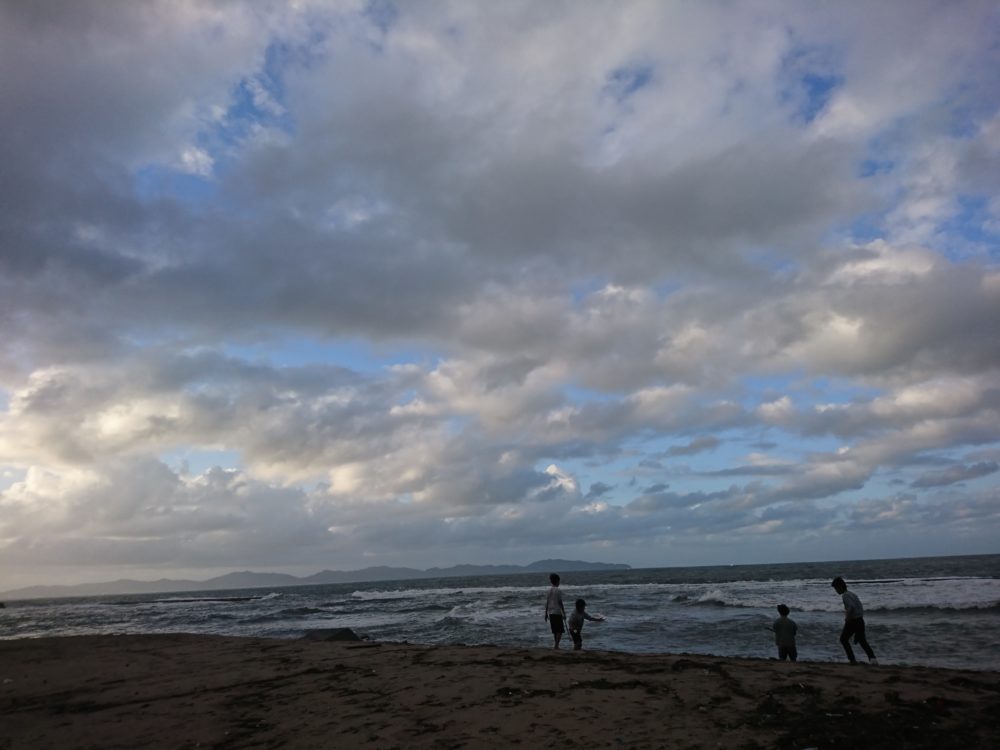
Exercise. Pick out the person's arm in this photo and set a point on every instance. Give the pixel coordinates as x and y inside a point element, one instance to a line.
<point>593,619</point>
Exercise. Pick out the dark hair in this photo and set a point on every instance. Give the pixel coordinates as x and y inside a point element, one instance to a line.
<point>783,610</point>
<point>580,605</point>
<point>555,579</point>
<point>837,582</point>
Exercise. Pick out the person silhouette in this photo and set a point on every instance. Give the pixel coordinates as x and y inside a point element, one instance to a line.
<point>784,634</point>
<point>555,612</point>
<point>854,622</point>
<point>575,622</point>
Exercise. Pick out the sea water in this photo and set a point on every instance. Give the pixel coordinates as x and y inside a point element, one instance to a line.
<point>941,611</point>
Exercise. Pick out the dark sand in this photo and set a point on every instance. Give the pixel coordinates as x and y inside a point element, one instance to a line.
<point>187,691</point>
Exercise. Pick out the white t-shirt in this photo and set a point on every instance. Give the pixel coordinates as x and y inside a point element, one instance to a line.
<point>554,604</point>
<point>852,606</point>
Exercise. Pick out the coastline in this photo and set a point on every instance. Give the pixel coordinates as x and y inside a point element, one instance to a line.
<point>199,691</point>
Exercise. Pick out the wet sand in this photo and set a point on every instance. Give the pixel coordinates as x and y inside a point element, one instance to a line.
<point>193,691</point>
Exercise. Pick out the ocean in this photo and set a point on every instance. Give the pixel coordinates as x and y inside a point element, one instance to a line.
<point>936,611</point>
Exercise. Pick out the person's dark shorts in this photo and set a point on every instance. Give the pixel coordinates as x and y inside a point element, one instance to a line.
<point>855,628</point>
<point>788,652</point>
<point>556,623</point>
<point>577,637</point>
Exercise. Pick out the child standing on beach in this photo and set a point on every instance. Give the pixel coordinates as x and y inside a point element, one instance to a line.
<point>576,623</point>
<point>784,635</point>
<point>854,622</point>
<point>555,612</point>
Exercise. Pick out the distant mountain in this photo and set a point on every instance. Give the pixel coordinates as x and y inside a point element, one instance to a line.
<point>249,580</point>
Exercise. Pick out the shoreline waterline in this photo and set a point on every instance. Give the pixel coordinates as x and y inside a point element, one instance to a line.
<point>913,609</point>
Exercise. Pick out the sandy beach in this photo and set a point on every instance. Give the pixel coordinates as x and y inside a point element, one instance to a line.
<point>187,691</point>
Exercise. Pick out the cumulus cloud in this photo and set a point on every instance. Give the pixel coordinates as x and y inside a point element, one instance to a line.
<point>419,277</point>
<point>955,474</point>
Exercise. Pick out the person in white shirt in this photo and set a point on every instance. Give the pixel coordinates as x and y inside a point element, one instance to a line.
<point>854,622</point>
<point>555,612</point>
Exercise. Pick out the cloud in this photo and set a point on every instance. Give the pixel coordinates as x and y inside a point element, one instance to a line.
<point>521,250</point>
<point>698,445</point>
<point>955,474</point>
<point>597,489</point>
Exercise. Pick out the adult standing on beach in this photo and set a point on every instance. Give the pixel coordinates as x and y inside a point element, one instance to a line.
<point>555,612</point>
<point>854,622</point>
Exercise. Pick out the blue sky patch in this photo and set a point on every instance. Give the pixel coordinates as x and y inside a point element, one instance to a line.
<point>157,182</point>
<point>810,77</point>
<point>626,81</point>
<point>972,224</point>
<point>818,90</point>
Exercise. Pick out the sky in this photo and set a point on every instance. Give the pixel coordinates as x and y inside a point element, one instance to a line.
<point>289,286</point>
